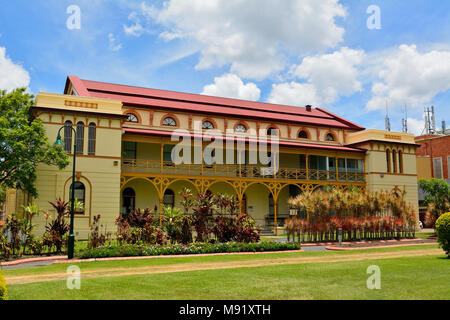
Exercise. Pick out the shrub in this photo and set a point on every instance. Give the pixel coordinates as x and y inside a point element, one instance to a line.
<point>443,232</point>
<point>179,249</point>
<point>96,237</point>
<point>57,228</point>
<point>3,290</point>
<point>173,220</point>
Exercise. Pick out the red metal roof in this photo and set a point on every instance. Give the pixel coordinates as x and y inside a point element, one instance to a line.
<point>152,132</point>
<point>161,99</point>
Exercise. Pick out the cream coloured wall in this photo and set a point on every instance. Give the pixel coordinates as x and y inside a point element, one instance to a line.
<point>258,198</point>
<point>100,173</point>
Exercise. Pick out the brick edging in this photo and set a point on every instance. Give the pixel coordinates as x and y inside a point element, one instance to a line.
<point>64,260</point>
<point>31,260</point>
<point>335,248</point>
<point>357,242</point>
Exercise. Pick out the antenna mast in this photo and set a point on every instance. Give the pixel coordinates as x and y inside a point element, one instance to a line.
<point>387,120</point>
<point>405,120</point>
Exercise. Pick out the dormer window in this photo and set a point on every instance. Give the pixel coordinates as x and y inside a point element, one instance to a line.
<point>132,118</point>
<point>169,122</point>
<point>207,125</point>
<point>240,128</point>
<point>272,132</point>
<point>303,134</point>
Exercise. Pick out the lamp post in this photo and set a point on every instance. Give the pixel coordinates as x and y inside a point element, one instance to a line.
<point>71,239</point>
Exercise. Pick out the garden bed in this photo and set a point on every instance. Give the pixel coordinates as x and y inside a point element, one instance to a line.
<point>190,249</point>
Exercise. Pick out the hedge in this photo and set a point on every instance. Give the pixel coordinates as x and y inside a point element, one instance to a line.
<point>443,232</point>
<point>178,249</point>
<point>3,290</point>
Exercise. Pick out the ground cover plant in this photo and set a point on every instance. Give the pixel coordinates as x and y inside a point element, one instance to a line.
<point>181,249</point>
<point>361,215</point>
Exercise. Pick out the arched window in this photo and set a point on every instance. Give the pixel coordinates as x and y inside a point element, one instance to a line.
<point>330,137</point>
<point>240,128</point>
<point>80,195</point>
<point>132,118</point>
<point>207,125</point>
<point>169,122</point>
<point>169,198</point>
<point>68,137</point>
<point>388,160</point>
<point>303,134</point>
<point>80,137</point>
<point>91,138</point>
<point>400,160</point>
<point>394,160</point>
<point>128,201</point>
<point>272,131</point>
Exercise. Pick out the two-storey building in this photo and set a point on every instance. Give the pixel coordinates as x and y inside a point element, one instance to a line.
<point>125,142</point>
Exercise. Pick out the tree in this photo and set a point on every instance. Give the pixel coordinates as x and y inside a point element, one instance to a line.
<point>23,143</point>
<point>437,193</point>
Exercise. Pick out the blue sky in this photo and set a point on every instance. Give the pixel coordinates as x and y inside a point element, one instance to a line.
<point>297,52</point>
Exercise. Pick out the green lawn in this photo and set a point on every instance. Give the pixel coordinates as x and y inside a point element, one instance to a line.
<point>193,259</point>
<point>401,278</point>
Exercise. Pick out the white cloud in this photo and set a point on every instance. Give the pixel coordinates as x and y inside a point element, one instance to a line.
<point>295,94</point>
<point>416,126</point>
<point>231,86</point>
<point>253,36</point>
<point>135,29</point>
<point>409,77</point>
<point>112,43</point>
<point>328,76</point>
<point>333,74</point>
<point>12,75</point>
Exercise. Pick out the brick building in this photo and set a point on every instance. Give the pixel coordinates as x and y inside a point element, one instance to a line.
<point>433,161</point>
<point>433,156</point>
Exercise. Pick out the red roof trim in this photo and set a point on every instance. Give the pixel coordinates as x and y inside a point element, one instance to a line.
<point>282,143</point>
<point>352,124</point>
<point>79,86</point>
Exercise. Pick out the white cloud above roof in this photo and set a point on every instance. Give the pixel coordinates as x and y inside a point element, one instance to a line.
<point>231,86</point>
<point>409,77</point>
<point>252,36</point>
<point>295,94</point>
<point>328,76</point>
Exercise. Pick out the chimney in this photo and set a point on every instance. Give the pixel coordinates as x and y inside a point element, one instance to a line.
<point>444,127</point>
<point>308,108</point>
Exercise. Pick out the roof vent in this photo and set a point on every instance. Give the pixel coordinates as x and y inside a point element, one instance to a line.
<point>308,108</point>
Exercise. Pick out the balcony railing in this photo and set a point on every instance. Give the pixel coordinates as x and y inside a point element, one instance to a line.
<point>235,171</point>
